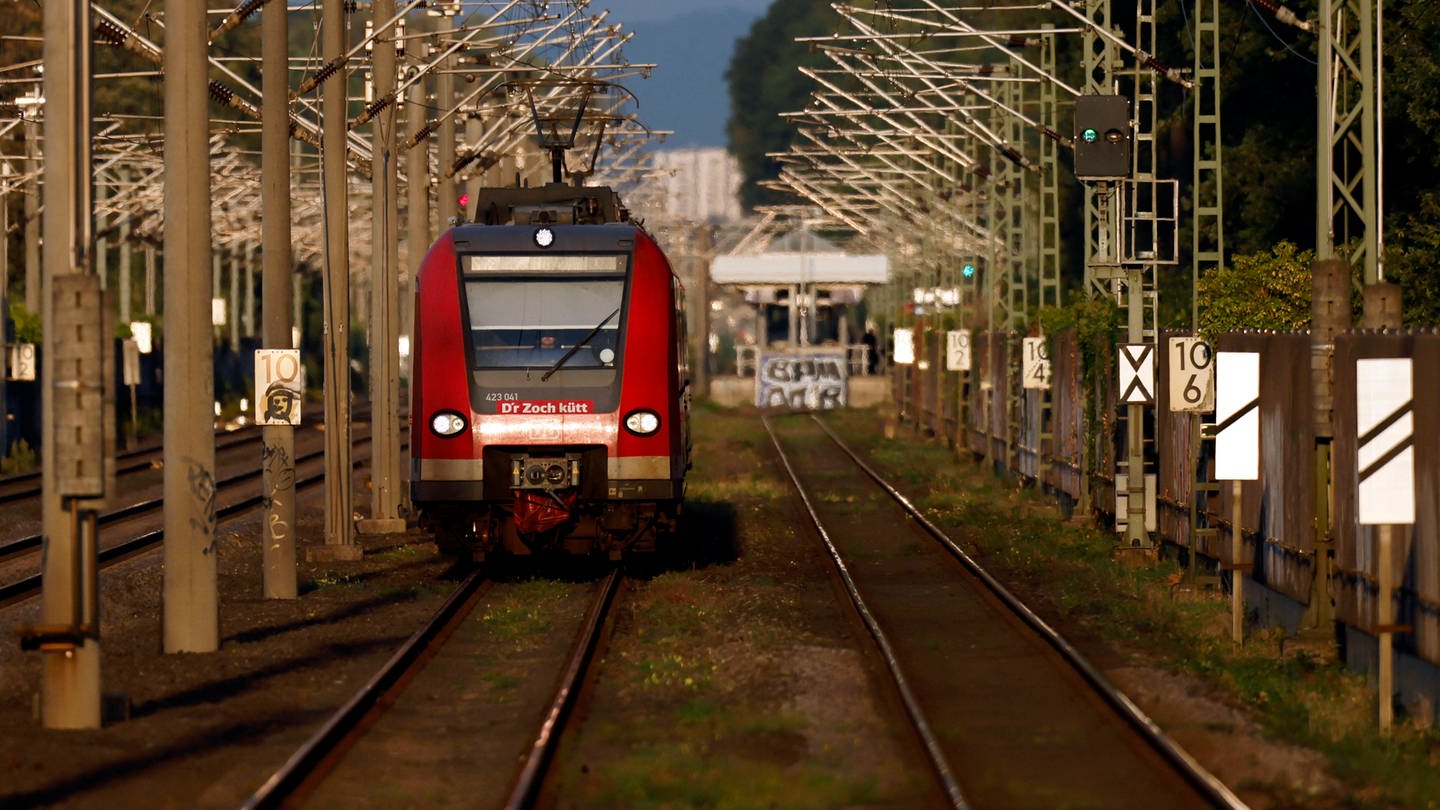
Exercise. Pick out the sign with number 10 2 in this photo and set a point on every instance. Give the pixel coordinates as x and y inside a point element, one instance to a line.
<point>1192,375</point>
<point>957,350</point>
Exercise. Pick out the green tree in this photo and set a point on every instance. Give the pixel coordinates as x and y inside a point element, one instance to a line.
<point>1410,262</point>
<point>765,81</point>
<point>1267,290</point>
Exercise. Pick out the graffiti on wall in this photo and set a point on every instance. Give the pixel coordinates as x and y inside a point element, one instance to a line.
<point>815,380</point>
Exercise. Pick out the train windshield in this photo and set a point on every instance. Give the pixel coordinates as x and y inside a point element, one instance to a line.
<point>532,311</point>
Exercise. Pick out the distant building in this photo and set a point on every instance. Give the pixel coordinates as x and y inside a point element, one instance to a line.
<point>700,184</point>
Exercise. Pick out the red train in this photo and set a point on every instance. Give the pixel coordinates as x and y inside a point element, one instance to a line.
<point>550,390</point>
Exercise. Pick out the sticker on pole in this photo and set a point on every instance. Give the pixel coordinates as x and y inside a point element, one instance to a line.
<point>1237,416</point>
<point>1192,375</point>
<point>1035,363</point>
<point>1385,447</point>
<point>957,350</point>
<point>1137,373</point>
<point>279,386</point>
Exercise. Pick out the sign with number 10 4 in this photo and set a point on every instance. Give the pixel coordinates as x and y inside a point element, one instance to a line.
<point>1035,363</point>
<point>1192,375</point>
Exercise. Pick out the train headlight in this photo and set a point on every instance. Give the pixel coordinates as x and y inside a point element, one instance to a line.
<point>642,423</point>
<point>447,423</point>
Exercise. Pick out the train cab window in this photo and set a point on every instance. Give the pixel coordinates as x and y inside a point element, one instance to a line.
<point>532,311</point>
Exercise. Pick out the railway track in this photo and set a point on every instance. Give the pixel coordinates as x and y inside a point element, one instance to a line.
<point>22,486</point>
<point>236,492</point>
<point>314,763</point>
<point>26,485</point>
<point>1008,712</point>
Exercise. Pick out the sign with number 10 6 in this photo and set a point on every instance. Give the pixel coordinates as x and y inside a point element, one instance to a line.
<point>1192,375</point>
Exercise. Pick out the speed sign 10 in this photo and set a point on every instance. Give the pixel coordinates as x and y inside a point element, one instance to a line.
<point>1192,375</point>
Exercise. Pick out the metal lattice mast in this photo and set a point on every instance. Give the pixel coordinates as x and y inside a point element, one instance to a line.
<point>1207,235</point>
<point>1019,229</point>
<point>1143,236</point>
<point>1208,229</point>
<point>1049,237</point>
<point>1102,252</point>
<point>1139,271</point>
<point>1346,201</point>
<point>1048,240</point>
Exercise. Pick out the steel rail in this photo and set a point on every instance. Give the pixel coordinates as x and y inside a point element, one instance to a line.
<point>130,466</point>
<point>24,544</point>
<point>542,751</point>
<point>912,705</point>
<point>23,589</point>
<point>316,756</point>
<point>1149,730</point>
<point>30,542</point>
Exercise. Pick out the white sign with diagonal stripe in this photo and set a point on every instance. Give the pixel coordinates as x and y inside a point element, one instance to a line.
<point>1385,447</point>
<point>1237,416</point>
<point>1137,373</point>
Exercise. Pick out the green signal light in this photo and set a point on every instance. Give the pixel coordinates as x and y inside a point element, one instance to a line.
<point>1090,135</point>
<point>968,271</point>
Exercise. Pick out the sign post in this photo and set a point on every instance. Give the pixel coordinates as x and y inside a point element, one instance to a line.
<point>1385,472</point>
<point>130,377</point>
<point>1136,364</point>
<point>957,358</point>
<point>1237,457</point>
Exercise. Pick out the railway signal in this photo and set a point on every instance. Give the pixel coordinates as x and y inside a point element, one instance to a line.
<point>1102,137</point>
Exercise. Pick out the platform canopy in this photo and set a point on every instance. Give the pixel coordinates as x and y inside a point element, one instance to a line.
<point>799,257</point>
<point>800,268</point>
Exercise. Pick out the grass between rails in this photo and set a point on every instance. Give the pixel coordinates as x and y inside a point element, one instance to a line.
<point>693,695</point>
<point>1296,695</point>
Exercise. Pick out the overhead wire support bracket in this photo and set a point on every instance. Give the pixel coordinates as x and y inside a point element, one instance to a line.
<point>1118,41</point>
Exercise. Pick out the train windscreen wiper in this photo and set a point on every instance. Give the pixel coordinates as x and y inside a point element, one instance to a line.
<point>565,358</point>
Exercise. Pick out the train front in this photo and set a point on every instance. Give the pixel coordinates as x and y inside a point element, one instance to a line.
<point>550,379</point>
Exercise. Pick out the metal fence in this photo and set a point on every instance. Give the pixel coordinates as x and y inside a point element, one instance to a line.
<point>1060,439</point>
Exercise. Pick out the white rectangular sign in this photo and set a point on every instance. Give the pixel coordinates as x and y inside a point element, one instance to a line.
<point>1237,416</point>
<point>1035,363</point>
<point>902,347</point>
<point>1385,445</point>
<point>1137,373</point>
<point>21,362</point>
<point>279,386</point>
<point>957,350</point>
<point>1192,375</point>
